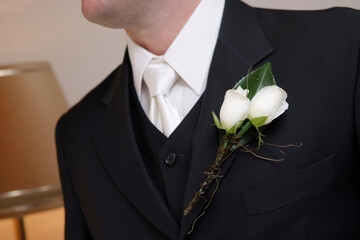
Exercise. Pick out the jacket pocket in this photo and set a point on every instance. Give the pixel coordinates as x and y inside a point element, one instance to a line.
<point>291,188</point>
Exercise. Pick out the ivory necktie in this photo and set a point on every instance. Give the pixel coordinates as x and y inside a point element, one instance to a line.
<point>160,77</point>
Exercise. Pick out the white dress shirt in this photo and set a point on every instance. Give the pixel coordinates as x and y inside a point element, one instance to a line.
<point>189,55</point>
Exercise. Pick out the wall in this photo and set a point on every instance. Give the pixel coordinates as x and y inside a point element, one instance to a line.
<point>82,53</point>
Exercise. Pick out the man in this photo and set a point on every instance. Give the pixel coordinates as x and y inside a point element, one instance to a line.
<point>128,170</point>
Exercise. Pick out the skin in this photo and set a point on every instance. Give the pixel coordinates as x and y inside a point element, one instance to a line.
<point>153,24</point>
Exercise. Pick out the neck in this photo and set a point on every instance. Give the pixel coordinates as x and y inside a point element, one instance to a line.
<point>157,35</point>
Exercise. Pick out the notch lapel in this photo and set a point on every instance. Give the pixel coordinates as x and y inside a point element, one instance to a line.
<point>117,147</point>
<point>241,44</point>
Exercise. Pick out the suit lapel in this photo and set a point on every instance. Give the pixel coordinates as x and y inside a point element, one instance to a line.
<point>241,44</point>
<point>117,147</point>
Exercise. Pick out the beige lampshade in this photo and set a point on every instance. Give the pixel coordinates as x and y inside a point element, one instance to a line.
<point>30,104</point>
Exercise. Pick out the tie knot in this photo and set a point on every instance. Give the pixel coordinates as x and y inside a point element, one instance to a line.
<point>159,76</point>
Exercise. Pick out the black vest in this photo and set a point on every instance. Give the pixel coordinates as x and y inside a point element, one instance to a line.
<point>167,160</point>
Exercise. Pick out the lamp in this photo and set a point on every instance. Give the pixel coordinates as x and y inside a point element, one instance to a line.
<point>30,104</point>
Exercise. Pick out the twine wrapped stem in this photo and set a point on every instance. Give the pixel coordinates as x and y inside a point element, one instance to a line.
<point>222,153</point>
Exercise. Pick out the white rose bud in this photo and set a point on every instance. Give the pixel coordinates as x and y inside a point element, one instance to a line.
<point>235,107</point>
<point>270,101</point>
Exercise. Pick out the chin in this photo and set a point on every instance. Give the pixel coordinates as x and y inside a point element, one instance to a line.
<point>90,11</point>
<point>96,13</point>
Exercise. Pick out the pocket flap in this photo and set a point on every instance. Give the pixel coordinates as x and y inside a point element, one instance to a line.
<point>290,188</point>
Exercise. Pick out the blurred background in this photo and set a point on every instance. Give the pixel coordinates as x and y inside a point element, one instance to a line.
<point>79,56</point>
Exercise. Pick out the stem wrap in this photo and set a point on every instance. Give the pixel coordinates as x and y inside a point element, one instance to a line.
<point>214,172</point>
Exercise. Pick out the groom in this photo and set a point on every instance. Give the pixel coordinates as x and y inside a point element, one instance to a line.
<point>129,169</point>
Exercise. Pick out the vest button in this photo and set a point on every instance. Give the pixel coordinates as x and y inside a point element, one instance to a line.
<point>170,159</point>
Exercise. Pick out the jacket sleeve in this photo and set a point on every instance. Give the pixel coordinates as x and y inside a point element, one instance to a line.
<point>75,224</point>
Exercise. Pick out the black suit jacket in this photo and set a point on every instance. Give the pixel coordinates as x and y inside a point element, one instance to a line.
<point>313,194</point>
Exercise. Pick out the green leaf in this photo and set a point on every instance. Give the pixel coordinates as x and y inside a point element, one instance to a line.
<point>260,135</point>
<point>234,128</point>
<point>258,122</point>
<point>257,79</point>
<point>217,121</point>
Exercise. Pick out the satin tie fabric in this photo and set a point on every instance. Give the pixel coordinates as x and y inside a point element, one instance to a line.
<point>159,76</point>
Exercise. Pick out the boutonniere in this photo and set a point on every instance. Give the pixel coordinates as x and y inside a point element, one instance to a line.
<point>254,102</point>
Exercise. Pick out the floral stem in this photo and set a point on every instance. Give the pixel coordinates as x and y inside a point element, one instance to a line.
<point>207,205</point>
<point>244,129</point>
<point>214,172</point>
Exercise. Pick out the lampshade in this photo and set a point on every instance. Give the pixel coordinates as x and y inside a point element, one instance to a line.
<point>30,104</point>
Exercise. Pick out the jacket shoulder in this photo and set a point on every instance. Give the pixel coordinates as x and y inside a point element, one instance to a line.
<point>76,118</point>
<point>336,16</point>
<point>337,24</point>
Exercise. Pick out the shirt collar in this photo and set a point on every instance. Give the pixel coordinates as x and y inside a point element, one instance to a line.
<point>139,58</point>
<point>194,46</point>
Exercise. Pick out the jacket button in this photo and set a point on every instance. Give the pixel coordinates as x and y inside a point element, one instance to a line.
<point>170,159</point>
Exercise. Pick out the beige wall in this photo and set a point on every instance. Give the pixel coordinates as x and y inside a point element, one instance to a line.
<point>81,53</point>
